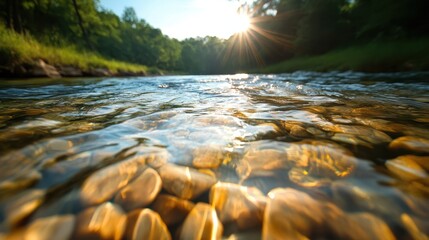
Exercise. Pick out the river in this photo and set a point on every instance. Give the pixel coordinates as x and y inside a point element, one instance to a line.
<point>340,155</point>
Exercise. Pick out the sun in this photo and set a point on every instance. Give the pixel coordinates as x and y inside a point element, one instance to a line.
<point>241,23</point>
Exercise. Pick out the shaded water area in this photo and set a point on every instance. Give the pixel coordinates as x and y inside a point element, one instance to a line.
<point>289,156</point>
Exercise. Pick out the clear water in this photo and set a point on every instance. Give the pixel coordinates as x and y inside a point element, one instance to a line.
<point>55,133</point>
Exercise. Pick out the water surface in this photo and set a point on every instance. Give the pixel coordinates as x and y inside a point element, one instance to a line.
<point>352,144</point>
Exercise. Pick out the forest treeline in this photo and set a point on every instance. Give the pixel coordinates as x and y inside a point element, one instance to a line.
<point>281,29</point>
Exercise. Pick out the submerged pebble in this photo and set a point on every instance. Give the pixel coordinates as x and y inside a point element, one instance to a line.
<point>146,224</point>
<point>55,227</point>
<point>141,191</point>
<point>105,183</point>
<point>406,168</point>
<point>237,204</point>
<point>317,163</point>
<point>208,156</point>
<point>22,205</point>
<point>172,210</point>
<point>410,144</point>
<point>291,214</point>
<point>185,182</point>
<point>106,221</point>
<point>202,223</point>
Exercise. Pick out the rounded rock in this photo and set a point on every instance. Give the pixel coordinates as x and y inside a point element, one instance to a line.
<point>146,224</point>
<point>172,210</point>
<point>185,182</point>
<point>202,223</point>
<point>410,144</point>
<point>141,191</point>
<point>106,221</point>
<point>55,227</point>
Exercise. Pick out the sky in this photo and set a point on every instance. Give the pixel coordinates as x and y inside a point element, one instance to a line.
<point>184,18</point>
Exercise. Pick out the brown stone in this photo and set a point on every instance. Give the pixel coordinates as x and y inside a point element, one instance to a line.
<point>208,156</point>
<point>406,168</point>
<point>202,223</point>
<point>172,210</point>
<point>238,204</point>
<point>185,182</point>
<point>42,69</point>
<point>146,224</point>
<point>21,206</point>
<point>410,144</point>
<point>261,158</point>
<point>105,183</point>
<point>413,227</point>
<point>291,214</point>
<point>55,227</point>
<point>141,191</point>
<point>70,71</point>
<point>319,162</point>
<point>106,221</point>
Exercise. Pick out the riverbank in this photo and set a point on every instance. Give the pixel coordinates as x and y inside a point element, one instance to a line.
<point>405,55</point>
<point>23,56</point>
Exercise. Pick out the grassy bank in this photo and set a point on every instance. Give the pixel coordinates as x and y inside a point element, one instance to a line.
<point>17,49</point>
<point>373,57</point>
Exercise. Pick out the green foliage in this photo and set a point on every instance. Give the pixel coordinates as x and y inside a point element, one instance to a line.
<point>377,56</point>
<point>17,49</point>
<point>282,29</point>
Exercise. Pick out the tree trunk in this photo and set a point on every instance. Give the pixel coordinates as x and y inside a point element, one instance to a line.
<point>9,18</point>
<point>16,10</point>
<point>80,22</point>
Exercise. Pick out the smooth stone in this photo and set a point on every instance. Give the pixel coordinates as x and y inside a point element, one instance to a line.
<point>372,227</point>
<point>423,161</point>
<point>201,223</point>
<point>105,183</point>
<point>298,131</point>
<point>185,182</point>
<point>208,156</point>
<point>350,139</point>
<point>241,205</point>
<point>41,69</point>
<point>291,214</point>
<point>21,206</point>
<point>406,168</point>
<point>261,158</point>
<point>414,228</point>
<point>146,224</point>
<point>21,182</point>
<point>365,133</point>
<point>70,71</point>
<point>316,132</point>
<point>55,227</point>
<point>319,161</point>
<point>410,144</point>
<point>360,226</point>
<point>172,210</point>
<point>141,191</point>
<point>350,196</point>
<point>301,177</point>
<point>106,221</point>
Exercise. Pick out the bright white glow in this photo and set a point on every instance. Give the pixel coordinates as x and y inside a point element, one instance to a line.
<point>210,18</point>
<point>240,24</point>
<point>187,18</point>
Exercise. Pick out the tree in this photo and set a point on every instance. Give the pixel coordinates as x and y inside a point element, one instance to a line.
<point>80,22</point>
<point>130,17</point>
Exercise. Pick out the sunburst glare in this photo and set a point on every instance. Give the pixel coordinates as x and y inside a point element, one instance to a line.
<point>241,23</point>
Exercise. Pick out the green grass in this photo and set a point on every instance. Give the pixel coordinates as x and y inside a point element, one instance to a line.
<point>378,56</point>
<point>16,49</point>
